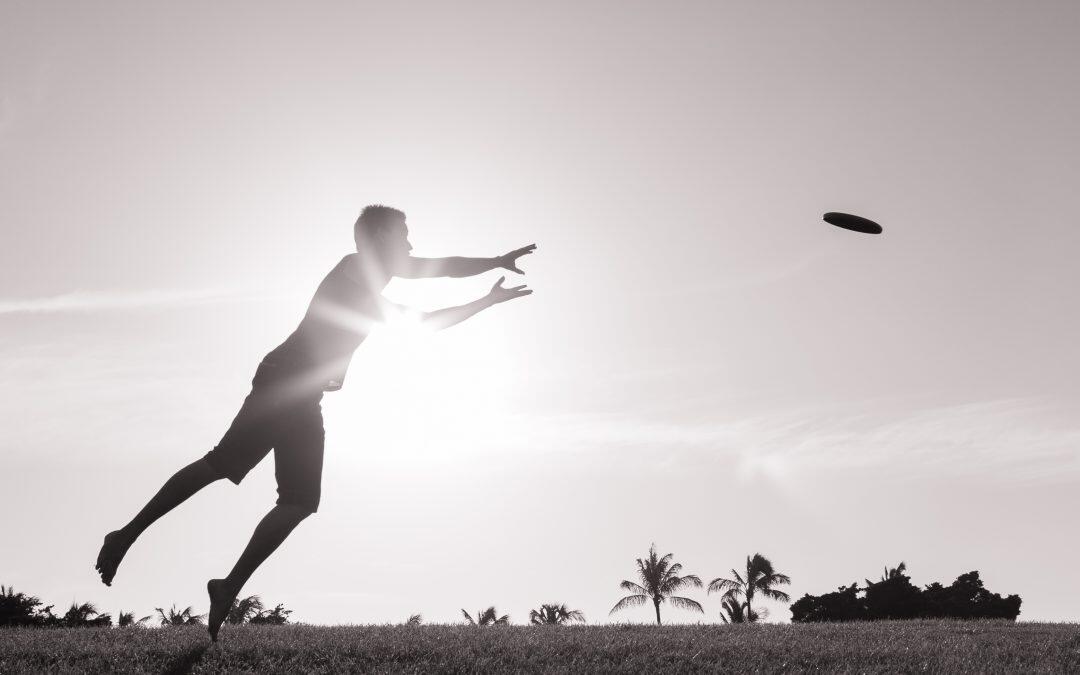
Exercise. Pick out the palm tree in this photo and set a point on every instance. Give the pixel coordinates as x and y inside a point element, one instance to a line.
<point>554,615</point>
<point>893,573</point>
<point>128,619</point>
<point>85,615</point>
<point>659,579</point>
<point>733,609</point>
<point>186,617</point>
<point>760,578</point>
<point>487,618</point>
<point>416,620</point>
<point>244,609</point>
<point>278,616</point>
<point>17,609</point>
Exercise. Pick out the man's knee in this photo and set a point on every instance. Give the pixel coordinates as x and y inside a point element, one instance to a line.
<point>300,508</point>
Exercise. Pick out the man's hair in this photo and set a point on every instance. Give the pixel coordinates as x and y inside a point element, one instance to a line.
<point>372,220</point>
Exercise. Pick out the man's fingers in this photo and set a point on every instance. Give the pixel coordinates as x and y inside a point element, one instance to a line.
<point>518,288</point>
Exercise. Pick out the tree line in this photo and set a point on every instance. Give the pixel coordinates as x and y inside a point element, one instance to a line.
<point>660,581</point>
<point>20,609</point>
<point>895,597</point>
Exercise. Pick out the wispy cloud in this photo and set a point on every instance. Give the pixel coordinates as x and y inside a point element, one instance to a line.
<point>83,301</point>
<point>1015,439</point>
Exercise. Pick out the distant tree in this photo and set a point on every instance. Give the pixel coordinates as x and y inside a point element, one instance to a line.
<point>966,598</point>
<point>897,571</point>
<point>554,615</point>
<point>278,616</point>
<point>244,609</point>
<point>415,620</point>
<point>128,619</point>
<point>733,611</point>
<point>18,609</point>
<point>185,617</point>
<point>84,616</point>
<point>841,605</point>
<point>487,618</point>
<point>659,581</point>
<point>760,578</point>
<point>895,597</point>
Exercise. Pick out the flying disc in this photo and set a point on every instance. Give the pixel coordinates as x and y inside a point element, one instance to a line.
<point>853,223</point>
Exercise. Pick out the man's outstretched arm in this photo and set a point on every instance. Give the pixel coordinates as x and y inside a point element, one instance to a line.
<point>456,266</point>
<point>446,317</point>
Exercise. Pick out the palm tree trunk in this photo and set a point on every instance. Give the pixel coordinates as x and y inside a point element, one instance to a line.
<point>656,603</point>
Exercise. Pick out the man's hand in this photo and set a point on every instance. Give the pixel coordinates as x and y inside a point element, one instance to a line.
<point>509,260</point>
<point>499,294</point>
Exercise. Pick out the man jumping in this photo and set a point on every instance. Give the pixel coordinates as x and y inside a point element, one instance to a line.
<point>283,411</point>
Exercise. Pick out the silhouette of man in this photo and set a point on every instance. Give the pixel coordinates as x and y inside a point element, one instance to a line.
<point>283,411</point>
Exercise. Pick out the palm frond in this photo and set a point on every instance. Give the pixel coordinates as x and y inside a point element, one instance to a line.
<point>629,601</point>
<point>686,603</point>
<point>468,618</point>
<point>721,584</point>
<point>774,594</point>
<point>633,588</point>
<point>777,579</point>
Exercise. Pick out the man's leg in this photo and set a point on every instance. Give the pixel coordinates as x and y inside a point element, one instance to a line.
<point>175,491</point>
<point>298,460</point>
<point>270,532</point>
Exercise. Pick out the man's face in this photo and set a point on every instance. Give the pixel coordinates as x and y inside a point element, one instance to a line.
<point>394,243</point>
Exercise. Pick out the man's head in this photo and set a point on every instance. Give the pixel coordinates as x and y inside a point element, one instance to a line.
<point>380,232</point>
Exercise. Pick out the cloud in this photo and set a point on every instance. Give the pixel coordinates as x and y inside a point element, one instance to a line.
<point>83,301</point>
<point>1014,439</point>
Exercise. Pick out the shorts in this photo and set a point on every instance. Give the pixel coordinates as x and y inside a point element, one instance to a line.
<point>282,413</point>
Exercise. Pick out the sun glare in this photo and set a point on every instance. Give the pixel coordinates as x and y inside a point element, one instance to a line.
<point>415,392</point>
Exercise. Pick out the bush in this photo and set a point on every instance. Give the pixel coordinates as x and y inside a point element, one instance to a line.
<point>896,597</point>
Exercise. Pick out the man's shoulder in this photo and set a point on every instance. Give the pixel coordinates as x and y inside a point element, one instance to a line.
<point>349,267</point>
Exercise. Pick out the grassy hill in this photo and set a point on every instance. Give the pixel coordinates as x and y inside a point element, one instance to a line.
<point>909,646</point>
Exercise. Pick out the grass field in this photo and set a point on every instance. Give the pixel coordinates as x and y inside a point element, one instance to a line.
<point>910,646</point>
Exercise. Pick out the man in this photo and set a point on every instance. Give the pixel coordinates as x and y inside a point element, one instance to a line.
<point>283,411</point>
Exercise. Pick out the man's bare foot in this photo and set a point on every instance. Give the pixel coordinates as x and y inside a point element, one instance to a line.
<point>221,599</point>
<point>111,554</point>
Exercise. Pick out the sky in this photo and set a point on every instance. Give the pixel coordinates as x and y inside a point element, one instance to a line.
<point>704,363</point>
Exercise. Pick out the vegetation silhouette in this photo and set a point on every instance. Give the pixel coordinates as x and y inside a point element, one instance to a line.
<point>554,615</point>
<point>415,620</point>
<point>739,591</point>
<point>895,597</point>
<point>891,573</point>
<point>20,609</point>
<point>278,616</point>
<point>185,617</point>
<point>487,618</point>
<point>85,616</point>
<point>126,619</point>
<point>732,611</point>
<point>244,610</point>
<point>660,580</point>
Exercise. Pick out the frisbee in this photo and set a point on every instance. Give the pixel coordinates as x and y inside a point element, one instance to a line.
<point>853,223</point>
